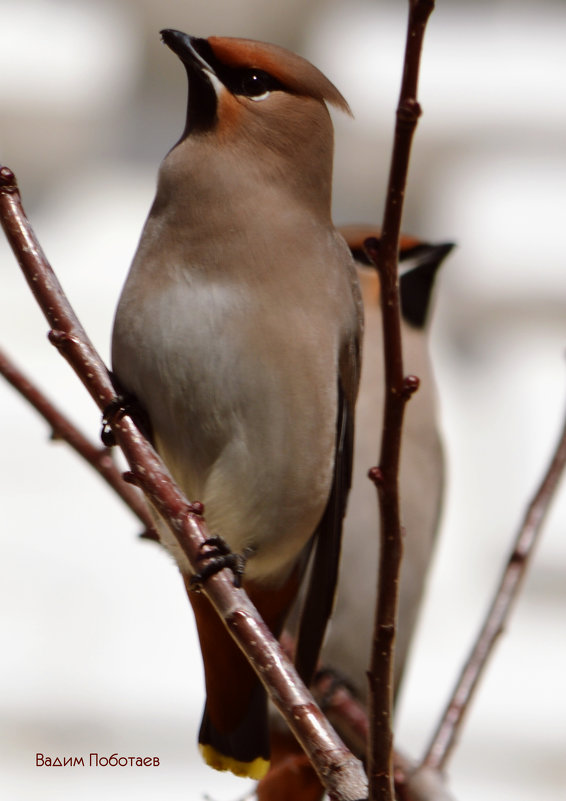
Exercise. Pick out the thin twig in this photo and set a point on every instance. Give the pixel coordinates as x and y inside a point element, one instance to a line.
<point>446,734</point>
<point>340,772</point>
<point>349,716</point>
<point>62,428</point>
<point>398,389</point>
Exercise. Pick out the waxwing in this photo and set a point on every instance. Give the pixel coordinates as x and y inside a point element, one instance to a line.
<point>238,333</point>
<point>347,648</point>
<point>421,479</point>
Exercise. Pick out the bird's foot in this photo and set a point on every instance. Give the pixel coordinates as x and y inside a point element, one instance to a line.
<point>327,681</point>
<point>123,404</point>
<point>218,556</point>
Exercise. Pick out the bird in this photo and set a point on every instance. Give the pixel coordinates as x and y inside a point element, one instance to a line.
<point>346,651</point>
<point>238,333</point>
<point>422,467</point>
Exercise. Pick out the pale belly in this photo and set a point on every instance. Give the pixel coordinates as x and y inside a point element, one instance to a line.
<point>243,415</point>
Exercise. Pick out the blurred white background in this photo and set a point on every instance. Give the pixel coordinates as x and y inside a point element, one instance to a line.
<point>99,652</point>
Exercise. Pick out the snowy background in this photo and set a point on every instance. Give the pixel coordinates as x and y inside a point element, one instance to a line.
<point>98,644</point>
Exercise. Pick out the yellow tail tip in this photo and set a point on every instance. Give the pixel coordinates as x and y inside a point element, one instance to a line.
<point>256,769</point>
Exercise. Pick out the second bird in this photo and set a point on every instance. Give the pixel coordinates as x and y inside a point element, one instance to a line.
<point>238,332</point>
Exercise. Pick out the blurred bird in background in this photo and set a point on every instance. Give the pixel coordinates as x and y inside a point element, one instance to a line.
<point>421,472</point>
<point>346,650</point>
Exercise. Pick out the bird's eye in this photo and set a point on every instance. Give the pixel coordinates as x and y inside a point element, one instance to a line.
<point>255,84</point>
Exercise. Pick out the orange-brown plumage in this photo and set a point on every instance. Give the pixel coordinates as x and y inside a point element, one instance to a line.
<point>296,74</point>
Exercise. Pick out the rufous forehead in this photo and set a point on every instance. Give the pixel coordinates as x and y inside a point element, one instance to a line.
<point>295,73</point>
<point>248,54</point>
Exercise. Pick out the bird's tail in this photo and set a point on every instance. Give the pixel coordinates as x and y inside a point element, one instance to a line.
<point>244,750</point>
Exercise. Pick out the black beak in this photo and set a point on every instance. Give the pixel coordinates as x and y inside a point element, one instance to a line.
<point>187,48</point>
<point>202,102</point>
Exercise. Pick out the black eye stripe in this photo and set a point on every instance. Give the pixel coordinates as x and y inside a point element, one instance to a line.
<point>247,81</point>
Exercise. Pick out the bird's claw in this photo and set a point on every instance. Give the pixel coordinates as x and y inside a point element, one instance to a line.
<point>111,413</point>
<point>123,404</point>
<point>218,556</point>
<point>336,681</point>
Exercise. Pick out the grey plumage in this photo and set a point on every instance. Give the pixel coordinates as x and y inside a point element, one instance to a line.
<point>238,331</point>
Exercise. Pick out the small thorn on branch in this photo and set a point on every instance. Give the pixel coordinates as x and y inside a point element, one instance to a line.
<point>375,474</point>
<point>197,508</point>
<point>149,534</point>
<point>131,478</point>
<point>8,180</point>
<point>408,112</point>
<point>60,338</point>
<point>410,385</point>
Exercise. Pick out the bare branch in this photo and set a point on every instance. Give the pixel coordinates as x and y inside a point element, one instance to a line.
<point>340,772</point>
<point>398,389</point>
<point>448,730</point>
<point>349,716</point>
<point>62,428</point>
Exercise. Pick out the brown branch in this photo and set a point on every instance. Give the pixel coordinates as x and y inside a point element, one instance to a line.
<point>340,772</point>
<point>450,725</point>
<point>398,389</point>
<point>62,428</point>
<point>349,716</point>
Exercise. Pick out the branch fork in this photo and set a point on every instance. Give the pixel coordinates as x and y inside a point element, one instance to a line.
<point>338,770</point>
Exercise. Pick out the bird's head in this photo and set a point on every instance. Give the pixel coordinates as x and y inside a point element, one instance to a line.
<point>260,102</point>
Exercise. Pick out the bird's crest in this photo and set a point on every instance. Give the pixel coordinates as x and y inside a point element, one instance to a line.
<point>295,73</point>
